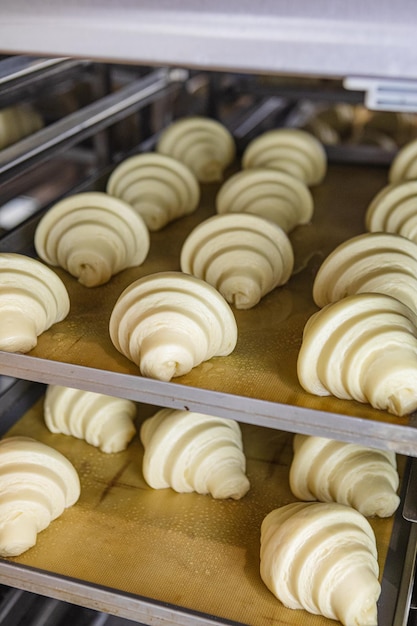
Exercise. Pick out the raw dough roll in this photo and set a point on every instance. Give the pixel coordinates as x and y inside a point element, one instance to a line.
<point>363,347</point>
<point>16,122</point>
<point>32,299</point>
<point>37,483</point>
<point>92,236</point>
<point>169,322</point>
<point>160,188</point>
<point>349,473</point>
<point>404,164</point>
<point>243,256</point>
<point>189,452</point>
<point>103,421</point>
<point>271,194</point>
<point>322,557</point>
<point>202,144</point>
<point>290,150</point>
<point>394,210</point>
<point>369,263</point>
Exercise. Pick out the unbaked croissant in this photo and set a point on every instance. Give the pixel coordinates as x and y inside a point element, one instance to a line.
<point>394,210</point>
<point>275,195</point>
<point>16,122</point>
<point>160,188</point>
<point>371,262</point>
<point>103,421</point>
<point>32,299</point>
<point>404,164</point>
<point>363,347</point>
<point>322,557</point>
<point>290,150</point>
<point>37,483</point>
<point>169,322</point>
<point>242,256</point>
<point>189,451</point>
<point>92,236</point>
<point>349,473</point>
<point>201,143</point>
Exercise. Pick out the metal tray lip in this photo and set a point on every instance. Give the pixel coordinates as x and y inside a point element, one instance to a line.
<point>100,597</point>
<point>400,438</point>
<point>396,581</point>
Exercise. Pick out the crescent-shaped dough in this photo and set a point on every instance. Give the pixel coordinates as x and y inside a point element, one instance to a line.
<point>161,189</point>
<point>271,194</point>
<point>201,143</point>
<point>291,150</point>
<point>32,299</point>
<point>363,347</point>
<point>404,164</point>
<point>369,263</point>
<point>349,473</point>
<point>169,322</point>
<point>103,421</point>
<point>37,483</point>
<point>394,210</point>
<point>189,451</point>
<point>92,236</point>
<point>322,557</point>
<point>243,256</point>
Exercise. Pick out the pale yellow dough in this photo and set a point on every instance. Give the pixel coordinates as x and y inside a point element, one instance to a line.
<point>272,194</point>
<point>169,322</point>
<point>201,143</point>
<point>322,557</point>
<point>92,236</point>
<point>363,347</point>
<point>103,421</point>
<point>32,299</point>
<point>290,150</point>
<point>160,188</point>
<point>189,451</point>
<point>349,473</point>
<point>243,256</point>
<point>37,483</point>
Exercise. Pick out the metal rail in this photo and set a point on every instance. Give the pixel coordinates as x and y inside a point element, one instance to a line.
<point>82,124</point>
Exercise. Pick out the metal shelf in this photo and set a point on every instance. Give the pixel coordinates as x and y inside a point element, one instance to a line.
<point>154,537</point>
<point>78,352</point>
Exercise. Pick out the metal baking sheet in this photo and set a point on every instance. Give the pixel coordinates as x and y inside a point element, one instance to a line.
<point>158,556</point>
<point>257,383</point>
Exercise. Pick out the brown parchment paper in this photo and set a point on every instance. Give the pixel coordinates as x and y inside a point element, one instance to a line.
<point>188,550</point>
<point>263,365</point>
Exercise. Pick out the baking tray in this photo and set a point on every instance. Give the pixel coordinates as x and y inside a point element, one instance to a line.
<point>157,556</point>
<point>257,383</point>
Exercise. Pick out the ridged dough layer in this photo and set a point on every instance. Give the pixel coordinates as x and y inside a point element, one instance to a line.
<point>32,299</point>
<point>349,473</point>
<point>189,451</point>
<point>394,210</point>
<point>16,122</point>
<point>169,322</point>
<point>201,143</point>
<point>243,256</point>
<point>290,150</point>
<point>161,189</point>
<point>363,347</point>
<point>322,557</point>
<point>271,194</point>
<point>369,263</point>
<point>103,421</point>
<point>92,236</point>
<point>37,483</point>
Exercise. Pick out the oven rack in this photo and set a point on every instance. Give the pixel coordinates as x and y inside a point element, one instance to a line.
<point>288,408</point>
<point>61,576</point>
